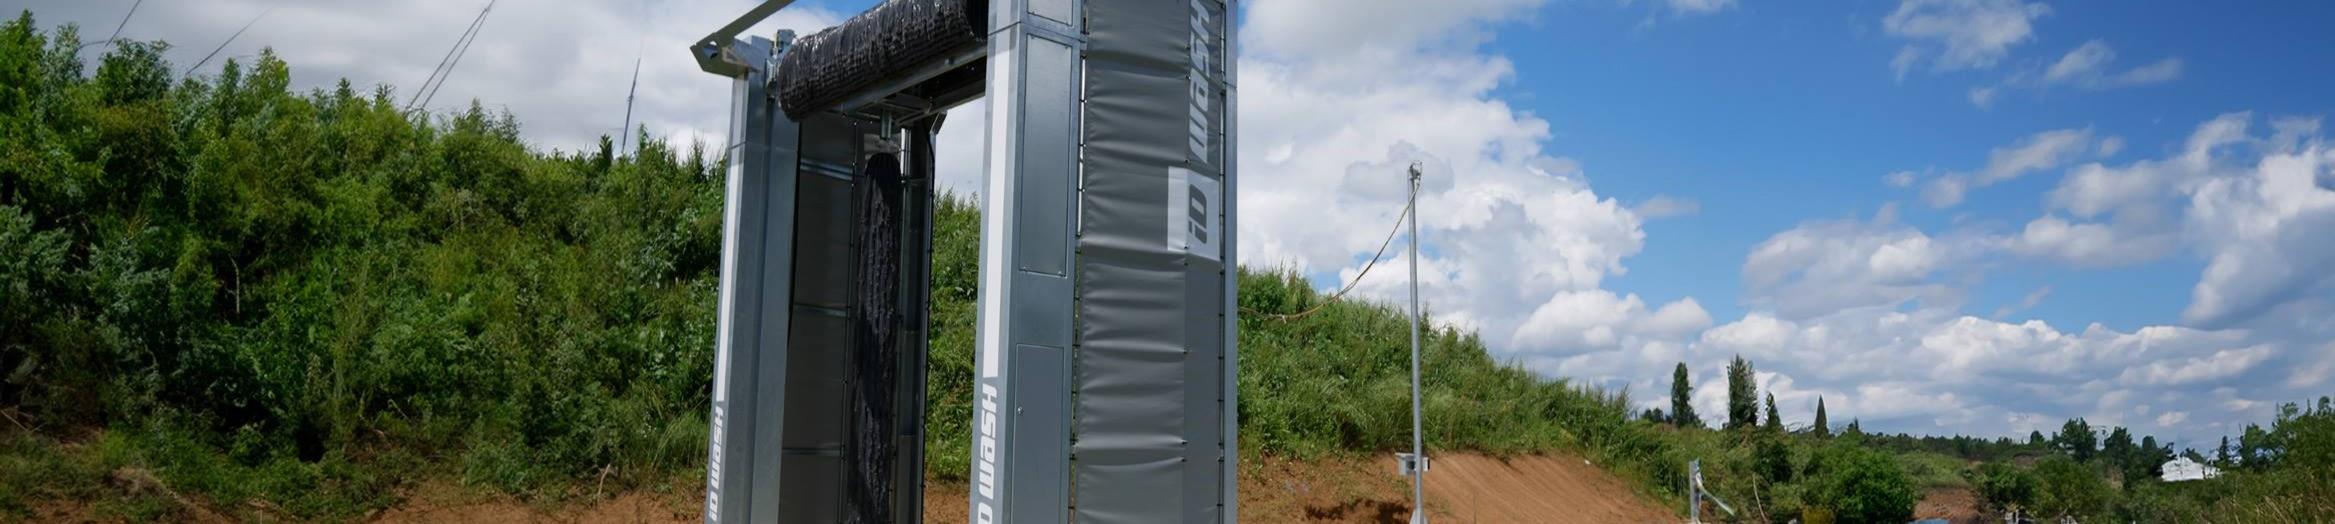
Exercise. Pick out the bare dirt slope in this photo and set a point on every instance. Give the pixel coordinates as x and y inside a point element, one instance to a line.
<point>1461,488</point>
<point>1953,505</point>
<point>1556,489</point>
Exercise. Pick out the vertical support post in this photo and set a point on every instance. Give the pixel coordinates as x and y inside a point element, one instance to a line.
<point>1021,433</point>
<point>916,313</point>
<point>1418,442</point>
<point>750,337</point>
<point>1694,490</point>
<point>1231,232</point>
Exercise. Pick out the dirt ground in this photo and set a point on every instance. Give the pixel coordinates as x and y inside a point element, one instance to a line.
<point>1558,489</point>
<point>1461,488</point>
<point>1954,505</point>
<point>432,504</point>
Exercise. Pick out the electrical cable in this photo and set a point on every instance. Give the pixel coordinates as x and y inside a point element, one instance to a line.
<point>117,37</point>
<point>417,92</point>
<point>461,44</point>
<point>125,21</point>
<point>230,39</point>
<point>476,28</point>
<point>1390,240</point>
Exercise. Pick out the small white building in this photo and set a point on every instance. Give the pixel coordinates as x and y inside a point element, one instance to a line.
<point>2181,468</point>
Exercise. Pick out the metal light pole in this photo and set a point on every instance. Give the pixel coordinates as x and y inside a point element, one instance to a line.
<point>1418,447</point>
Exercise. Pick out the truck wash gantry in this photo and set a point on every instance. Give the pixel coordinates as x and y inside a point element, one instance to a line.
<point>1105,367</point>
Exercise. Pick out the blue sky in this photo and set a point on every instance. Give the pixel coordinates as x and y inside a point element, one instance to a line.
<point>1793,103</point>
<point>1941,216</point>
<point>1976,216</point>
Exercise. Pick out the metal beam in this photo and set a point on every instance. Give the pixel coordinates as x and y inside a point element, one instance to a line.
<point>750,337</point>
<point>717,53</point>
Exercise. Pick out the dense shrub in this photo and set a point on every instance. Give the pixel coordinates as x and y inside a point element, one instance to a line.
<point>2006,487</point>
<point>1774,459</point>
<point>2065,487</point>
<point>1859,485</point>
<point>218,266</point>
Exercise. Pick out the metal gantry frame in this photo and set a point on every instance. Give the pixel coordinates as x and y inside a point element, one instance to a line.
<point>1106,358</point>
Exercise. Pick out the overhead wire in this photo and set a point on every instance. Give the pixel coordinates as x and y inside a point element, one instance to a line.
<point>117,36</point>
<point>445,67</point>
<point>478,27</point>
<point>1334,297</point>
<point>230,39</point>
<point>417,92</point>
<point>434,70</point>
<point>125,21</point>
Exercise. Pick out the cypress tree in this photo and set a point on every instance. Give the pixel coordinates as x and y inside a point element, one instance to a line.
<point>1742,395</point>
<point>1822,428</point>
<point>1681,406</point>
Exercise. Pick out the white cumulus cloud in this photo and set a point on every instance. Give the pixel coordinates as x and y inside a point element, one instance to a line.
<point>561,68</point>
<point>1959,35</point>
<point>2089,65</point>
<point>2034,153</point>
<point>1517,244</point>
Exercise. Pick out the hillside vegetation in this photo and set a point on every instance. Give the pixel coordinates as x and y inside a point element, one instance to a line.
<point>316,299</point>
<point>217,292</point>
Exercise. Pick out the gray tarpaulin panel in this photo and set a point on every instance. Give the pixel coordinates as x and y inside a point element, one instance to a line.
<point>1147,440</point>
<point>1204,268</point>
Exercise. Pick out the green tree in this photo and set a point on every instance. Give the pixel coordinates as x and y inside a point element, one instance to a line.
<point>2075,438</point>
<point>2255,448</point>
<point>1773,459</point>
<point>2067,488</point>
<point>2307,441</point>
<point>2006,487</point>
<point>2035,438</point>
<point>1864,486</point>
<point>2118,449</point>
<point>219,265</point>
<point>1821,427</point>
<point>1742,395</point>
<point>1682,400</point>
<point>2150,461</point>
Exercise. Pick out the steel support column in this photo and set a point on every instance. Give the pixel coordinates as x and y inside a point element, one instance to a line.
<point>1021,408</point>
